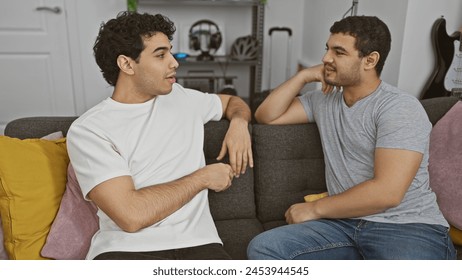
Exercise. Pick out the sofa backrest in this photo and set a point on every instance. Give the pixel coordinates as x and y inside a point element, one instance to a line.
<point>241,193</point>
<point>437,107</point>
<point>289,164</point>
<point>36,127</point>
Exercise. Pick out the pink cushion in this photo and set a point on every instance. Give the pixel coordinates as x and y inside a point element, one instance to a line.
<point>445,164</point>
<point>76,222</point>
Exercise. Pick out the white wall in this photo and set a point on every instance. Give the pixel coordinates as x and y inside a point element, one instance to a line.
<point>281,13</point>
<point>318,18</point>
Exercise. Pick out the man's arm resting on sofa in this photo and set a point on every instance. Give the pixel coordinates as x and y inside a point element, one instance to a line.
<point>282,107</point>
<point>237,142</point>
<point>393,174</point>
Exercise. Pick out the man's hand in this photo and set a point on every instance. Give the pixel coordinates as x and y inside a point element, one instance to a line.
<point>301,212</point>
<point>316,74</point>
<point>237,143</point>
<point>217,177</point>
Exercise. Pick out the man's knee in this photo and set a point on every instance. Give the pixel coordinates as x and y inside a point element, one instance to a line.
<point>257,248</point>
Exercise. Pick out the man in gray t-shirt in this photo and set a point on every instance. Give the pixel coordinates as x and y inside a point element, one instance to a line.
<point>375,140</point>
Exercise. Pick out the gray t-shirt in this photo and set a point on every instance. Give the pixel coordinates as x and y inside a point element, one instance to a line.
<point>387,118</point>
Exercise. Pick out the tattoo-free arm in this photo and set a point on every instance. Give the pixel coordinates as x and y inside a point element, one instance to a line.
<point>394,172</point>
<point>281,106</point>
<point>237,142</point>
<point>133,209</point>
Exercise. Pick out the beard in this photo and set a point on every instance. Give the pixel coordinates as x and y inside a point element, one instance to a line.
<point>342,78</point>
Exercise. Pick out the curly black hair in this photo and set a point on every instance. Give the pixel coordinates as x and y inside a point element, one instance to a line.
<point>371,35</point>
<point>123,35</point>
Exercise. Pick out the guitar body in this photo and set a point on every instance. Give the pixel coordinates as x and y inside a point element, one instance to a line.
<point>453,76</point>
<point>444,46</point>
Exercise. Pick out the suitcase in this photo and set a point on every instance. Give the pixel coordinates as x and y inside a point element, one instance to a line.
<point>260,96</point>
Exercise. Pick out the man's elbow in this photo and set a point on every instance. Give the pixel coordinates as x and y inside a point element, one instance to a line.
<point>261,118</point>
<point>129,224</point>
<point>391,201</point>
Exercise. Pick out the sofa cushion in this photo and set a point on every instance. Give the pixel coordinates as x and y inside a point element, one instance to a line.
<point>3,255</point>
<point>73,228</point>
<point>33,177</point>
<point>233,210</point>
<point>236,235</point>
<point>445,164</point>
<point>289,164</point>
<point>241,192</point>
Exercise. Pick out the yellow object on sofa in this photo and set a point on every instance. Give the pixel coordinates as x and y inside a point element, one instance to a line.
<point>456,235</point>
<point>33,174</point>
<point>313,197</point>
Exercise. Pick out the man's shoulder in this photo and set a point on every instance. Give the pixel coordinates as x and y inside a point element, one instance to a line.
<point>388,90</point>
<point>187,94</point>
<point>392,96</point>
<point>91,116</point>
<point>400,106</point>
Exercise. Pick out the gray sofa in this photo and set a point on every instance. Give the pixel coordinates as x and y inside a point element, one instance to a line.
<point>288,165</point>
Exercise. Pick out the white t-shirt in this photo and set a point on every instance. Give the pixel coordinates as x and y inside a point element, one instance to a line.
<point>154,142</point>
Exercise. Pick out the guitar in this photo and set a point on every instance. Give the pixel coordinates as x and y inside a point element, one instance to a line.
<point>446,79</point>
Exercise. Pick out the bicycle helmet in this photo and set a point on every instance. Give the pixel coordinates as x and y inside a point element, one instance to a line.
<point>245,48</point>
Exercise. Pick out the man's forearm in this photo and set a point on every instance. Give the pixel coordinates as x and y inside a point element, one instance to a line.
<point>237,142</point>
<point>362,200</point>
<point>133,209</point>
<point>278,102</point>
<point>237,108</point>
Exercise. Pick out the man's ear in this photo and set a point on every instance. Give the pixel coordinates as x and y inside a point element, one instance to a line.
<point>371,60</point>
<point>124,63</point>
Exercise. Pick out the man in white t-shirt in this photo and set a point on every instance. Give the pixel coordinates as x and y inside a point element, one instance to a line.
<point>138,155</point>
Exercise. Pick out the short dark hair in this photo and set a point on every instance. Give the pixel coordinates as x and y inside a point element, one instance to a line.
<point>371,35</point>
<point>123,35</point>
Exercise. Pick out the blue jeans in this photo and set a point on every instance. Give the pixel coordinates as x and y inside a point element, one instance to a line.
<point>353,239</point>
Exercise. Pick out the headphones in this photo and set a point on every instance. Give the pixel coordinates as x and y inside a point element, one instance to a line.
<point>211,30</point>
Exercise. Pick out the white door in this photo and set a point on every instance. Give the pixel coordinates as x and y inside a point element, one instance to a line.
<point>35,69</point>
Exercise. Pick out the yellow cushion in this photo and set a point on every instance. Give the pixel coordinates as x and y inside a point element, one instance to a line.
<point>33,175</point>
<point>314,197</point>
<point>456,235</point>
